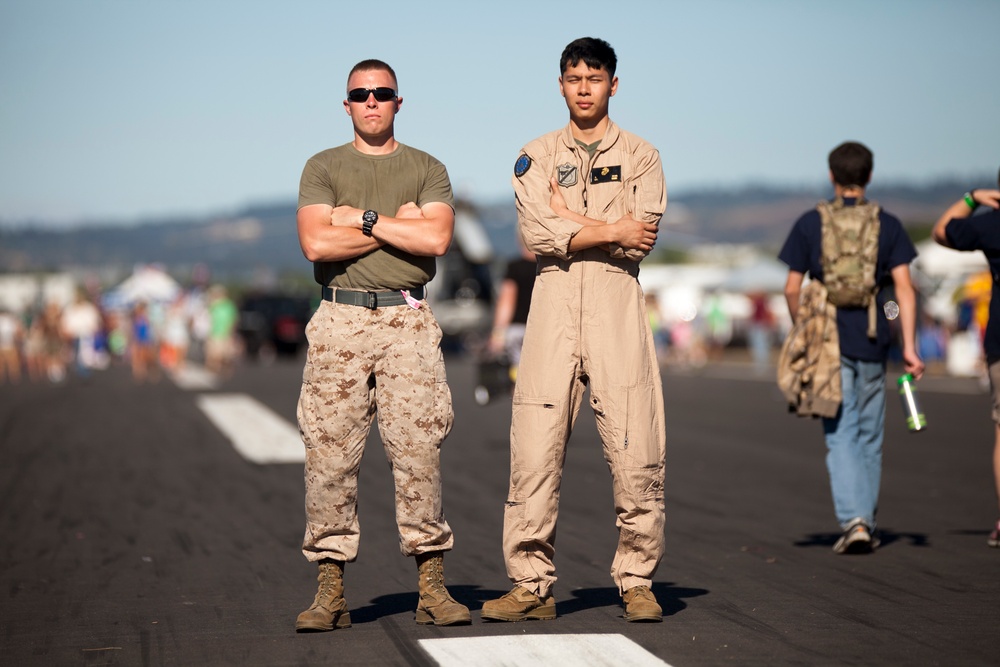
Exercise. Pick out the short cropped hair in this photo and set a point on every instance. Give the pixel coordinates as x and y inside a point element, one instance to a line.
<point>372,64</point>
<point>851,164</point>
<point>594,52</point>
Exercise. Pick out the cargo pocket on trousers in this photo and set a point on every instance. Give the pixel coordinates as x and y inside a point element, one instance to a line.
<point>444,412</point>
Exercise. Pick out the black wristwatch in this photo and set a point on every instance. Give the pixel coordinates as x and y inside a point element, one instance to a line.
<point>368,220</point>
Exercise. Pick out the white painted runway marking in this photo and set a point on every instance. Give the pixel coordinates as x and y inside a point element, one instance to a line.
<point>192,376</point>
<point>568,650</point>
<point>257,433</point>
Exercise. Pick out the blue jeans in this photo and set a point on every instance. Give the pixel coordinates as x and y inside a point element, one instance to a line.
<point>854,441</point>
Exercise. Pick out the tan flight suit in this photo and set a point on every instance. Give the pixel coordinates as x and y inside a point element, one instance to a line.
<point>587,325</point>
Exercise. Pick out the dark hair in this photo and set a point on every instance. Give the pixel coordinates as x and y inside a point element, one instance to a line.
<point>851,164</point>
<point>594,52</point>
<point>372,64</point>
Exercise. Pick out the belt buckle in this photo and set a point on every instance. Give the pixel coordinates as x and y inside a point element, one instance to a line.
<point>372,301</point>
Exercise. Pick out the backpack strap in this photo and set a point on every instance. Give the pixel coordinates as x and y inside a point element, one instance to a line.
<point>875,225</point>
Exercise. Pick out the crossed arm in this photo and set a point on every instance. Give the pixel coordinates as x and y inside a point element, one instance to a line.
<point>626,231</point>
<point>330,234</point>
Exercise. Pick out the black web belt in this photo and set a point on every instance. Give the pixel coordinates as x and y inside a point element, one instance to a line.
<point>370,299</point>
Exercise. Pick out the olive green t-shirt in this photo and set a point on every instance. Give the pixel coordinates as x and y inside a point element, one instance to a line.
<point>344,176</point>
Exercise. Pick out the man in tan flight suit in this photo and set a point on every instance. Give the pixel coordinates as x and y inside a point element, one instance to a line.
<point>589,198</point>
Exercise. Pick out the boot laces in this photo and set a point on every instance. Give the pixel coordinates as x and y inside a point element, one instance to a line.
<point>434,573</point>
<point>327,583</point>
<point>640,592</point>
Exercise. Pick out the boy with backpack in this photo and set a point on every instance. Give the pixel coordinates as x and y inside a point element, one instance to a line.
<point>852,249</point>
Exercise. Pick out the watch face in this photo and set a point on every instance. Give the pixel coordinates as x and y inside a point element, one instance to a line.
<point>370,216</point>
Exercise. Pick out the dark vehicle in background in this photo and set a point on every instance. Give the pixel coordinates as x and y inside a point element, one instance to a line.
<point>271,324</point>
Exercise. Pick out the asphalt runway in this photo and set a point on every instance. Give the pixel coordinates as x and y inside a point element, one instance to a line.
<point>134,533</point>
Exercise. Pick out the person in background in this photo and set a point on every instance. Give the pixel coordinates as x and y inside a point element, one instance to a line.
<point>11,335</point>
<point>33,347</point>
<point>176,335</point>
<point>142,345</point>
<point>220,346</point>
<point>81,324</point>
<point>854,435</point>
<point>54,351</point>
<point>657,325</point>
<point>510,315</point>
<point>761,331</point>
<point>957,228</point>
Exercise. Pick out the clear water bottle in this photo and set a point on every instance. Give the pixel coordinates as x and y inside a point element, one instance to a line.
<point>916,420</point>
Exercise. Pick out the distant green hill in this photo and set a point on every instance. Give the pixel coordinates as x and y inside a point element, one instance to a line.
<point>263,237</point>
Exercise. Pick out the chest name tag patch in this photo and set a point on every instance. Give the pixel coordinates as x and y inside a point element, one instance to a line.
<point>606,174</point>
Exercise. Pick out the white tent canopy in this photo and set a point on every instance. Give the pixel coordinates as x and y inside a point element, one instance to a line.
<point>936,260</point>
<point>762,275</point>
<point>147,283</point>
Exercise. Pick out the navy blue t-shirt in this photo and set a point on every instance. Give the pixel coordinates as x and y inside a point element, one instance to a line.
<point>802,252</point>
<point>982,232</point>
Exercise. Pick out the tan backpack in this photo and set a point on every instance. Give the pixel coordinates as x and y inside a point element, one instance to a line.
<point>850,254</point>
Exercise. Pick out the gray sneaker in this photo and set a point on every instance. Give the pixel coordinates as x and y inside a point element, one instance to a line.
<point>857,539</point>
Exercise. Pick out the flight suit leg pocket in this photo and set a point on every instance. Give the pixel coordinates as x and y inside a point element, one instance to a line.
<point>537,433</point>
<point>629,425</point>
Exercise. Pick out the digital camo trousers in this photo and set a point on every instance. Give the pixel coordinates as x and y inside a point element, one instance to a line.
<point>360,363</point>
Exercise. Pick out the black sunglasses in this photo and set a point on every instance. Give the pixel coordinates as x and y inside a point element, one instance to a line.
<point>359,95</point>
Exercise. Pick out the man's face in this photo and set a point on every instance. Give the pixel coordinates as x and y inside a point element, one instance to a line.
<point>587,91</point>
<point>372,118</point>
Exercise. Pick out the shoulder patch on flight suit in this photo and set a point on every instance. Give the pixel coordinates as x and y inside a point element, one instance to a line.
<point>606,174</point>
<point>522,165</point>
<point>566,175</point>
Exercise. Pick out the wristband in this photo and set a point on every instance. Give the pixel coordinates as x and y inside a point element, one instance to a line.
<point>970,201</point>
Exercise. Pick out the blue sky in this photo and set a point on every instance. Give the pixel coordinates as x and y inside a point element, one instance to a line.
<point>114,110</point>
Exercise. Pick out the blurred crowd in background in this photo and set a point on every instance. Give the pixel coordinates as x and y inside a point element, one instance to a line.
<point>92,332</point>
<point>153,325</point>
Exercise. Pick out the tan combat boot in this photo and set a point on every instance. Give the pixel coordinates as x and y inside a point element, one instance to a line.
<point>436,605</point>
<point>519,605</point>
<point>641,605</point>
<point>329,609</point>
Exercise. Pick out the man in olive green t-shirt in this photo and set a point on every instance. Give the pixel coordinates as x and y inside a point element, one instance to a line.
<point>373,214</point>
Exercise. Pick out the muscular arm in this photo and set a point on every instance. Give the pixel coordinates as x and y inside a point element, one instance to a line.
<point>906,297</point>
<point>329,234</point>
<point>960,209</point>
<point>425,230</point>
<point>323,242</point>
